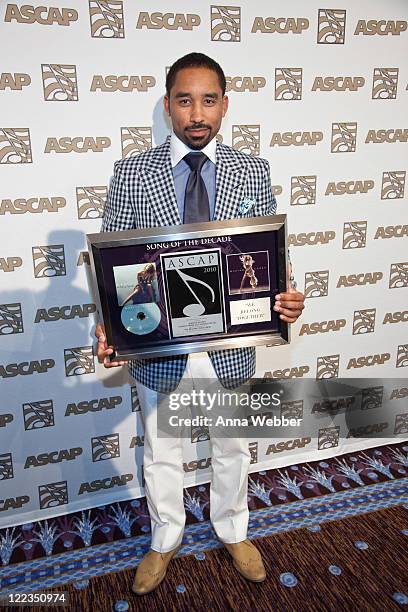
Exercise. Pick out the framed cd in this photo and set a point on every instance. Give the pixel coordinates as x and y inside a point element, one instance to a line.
<point>190,288</point>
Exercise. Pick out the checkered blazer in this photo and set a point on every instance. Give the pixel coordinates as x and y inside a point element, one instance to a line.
<point>142,195</point>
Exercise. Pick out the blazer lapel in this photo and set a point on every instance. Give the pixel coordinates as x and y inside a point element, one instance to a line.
<point>158,181</point>
<point>229,183</point>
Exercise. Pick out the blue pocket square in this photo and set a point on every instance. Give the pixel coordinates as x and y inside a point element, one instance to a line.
<point>246,205</point>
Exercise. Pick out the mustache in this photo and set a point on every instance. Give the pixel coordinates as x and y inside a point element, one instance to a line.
<point>198,126</point>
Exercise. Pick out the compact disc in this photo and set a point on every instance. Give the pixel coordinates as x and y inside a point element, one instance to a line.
<point>141,319</point>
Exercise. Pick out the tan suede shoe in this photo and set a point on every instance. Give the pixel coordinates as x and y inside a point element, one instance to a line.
<point>152,570</point>
<point>247,560</point>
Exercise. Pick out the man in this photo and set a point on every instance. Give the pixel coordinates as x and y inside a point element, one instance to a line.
<point>192,178</point>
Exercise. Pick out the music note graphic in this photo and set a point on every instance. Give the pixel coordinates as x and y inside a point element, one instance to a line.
<point>194,309</point>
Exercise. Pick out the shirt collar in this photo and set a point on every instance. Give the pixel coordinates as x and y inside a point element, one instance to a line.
<point>178,150</point>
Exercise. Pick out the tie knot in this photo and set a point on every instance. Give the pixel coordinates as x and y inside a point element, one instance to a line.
<point>195,160</point>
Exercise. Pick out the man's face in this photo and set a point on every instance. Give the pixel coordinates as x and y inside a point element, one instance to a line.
<point>196,106</point>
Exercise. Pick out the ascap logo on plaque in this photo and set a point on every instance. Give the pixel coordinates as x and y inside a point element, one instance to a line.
<point>59,82</point>
<point>53,494</point>
<point>79,361</point>
<point>11,319</point>
<point>135,140</point>
<point>328,366</point>
<point>393,184</point>
<point>14,81</point>
<point>225,23</point>
<point>402,356</point>
<point>247,139</point>
<point>6,466</point>
<point>344,137</point>
<point>364,321</point>
<point>91,201</point>
<point>105,447</point>
<point>385,83</point>
<point>401,424</point>
<point>106,18</point>
<point>15,146</point>
<point>398,275</point>
<point>354,234</point>
<point>49,261</point>
<point>371,398</point>
<point>38,415</point>
<point>288,83</point>
<point>303,190</point>
<point>316,284</point>
<point>331,27</point>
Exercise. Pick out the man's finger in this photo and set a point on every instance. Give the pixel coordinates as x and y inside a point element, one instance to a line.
<point>290,305</point>
<point>290,312</point>
<point>295,296</point>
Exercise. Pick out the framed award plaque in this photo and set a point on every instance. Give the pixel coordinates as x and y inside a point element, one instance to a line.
<point>190,288</point>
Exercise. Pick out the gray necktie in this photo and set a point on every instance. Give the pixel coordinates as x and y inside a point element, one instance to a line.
<point>196,204</point>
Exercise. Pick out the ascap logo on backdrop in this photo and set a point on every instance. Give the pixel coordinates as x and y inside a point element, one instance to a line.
<point>95,405</point>
<point>328,437</point>
<point>402,356</point>
<point>106,18</point>
<point>303,190</point>
<point>111,82</point>
<point>322,327</point>
<point>91,201</point>
<point>135,140</point>
<point>225,23</point>
<point>38,415</point>
<point>280,25</point>
<point>294,372</point>
<point>399,393</point>
<point>44,15</point>
<point>382,27</point>
<point>59,82</point>
<point>392,135</point>
<point>15,146</point>
<point>385,83</point>
<point>105,483</point>
<point>105,447</point>
<point>393,184</point>
<point>401,424</point>
<point>134,399</point>
<point>334,406</point>
<point>136,441</point>
<point>331,26</point>
<point>246,138</point>
<point>338,83</point>
<point>199,434</point>
<point>311,238</point>
<point>288,83</point>
<point>83,258</point>
<point>200,464</point>
<point>328,366</point>
<point>316,284</point>
<point>13,503</point>
<point>53,494</point>
<point>298,139</point>
<point>368,360</point>
<point>32,205</point>
<point>354,234</point>
<point>26,368</point>
<point>79,360</point>
<point>277,190</point>
<point>293,409</point>
<point>56,313</point>
<point>253,449</point>
<point>399,316</point>
<point>6,466</point>
<point>391,231</point>
<point>344,137</point>
<point>65,454</point>
<point>398,275</point>
<point>358,280</point>
<point>15,81</point>
<point>367,430</point>
<point>288,445</point>
<point>49,260</point>
<point>168,21</point>
<point>9,264</point>
<point>372,398</point>
<point>245,83</point>
<point>364,321</point>
<point>349,187</point>
<point>6,419</point>
<point>79,144</point>
<point>11,319</point>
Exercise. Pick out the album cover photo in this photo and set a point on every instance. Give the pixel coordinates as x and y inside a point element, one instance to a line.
<point>248,272</point>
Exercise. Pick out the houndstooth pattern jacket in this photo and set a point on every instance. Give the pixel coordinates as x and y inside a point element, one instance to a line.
<point>142,195</point>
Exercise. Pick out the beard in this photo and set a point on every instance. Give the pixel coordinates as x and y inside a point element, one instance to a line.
<point>198,142</point>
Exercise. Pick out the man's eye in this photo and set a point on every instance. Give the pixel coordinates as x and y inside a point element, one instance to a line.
<point>209,101</point>
<point>184,102</point>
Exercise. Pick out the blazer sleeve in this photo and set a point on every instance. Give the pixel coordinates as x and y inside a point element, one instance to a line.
<point>118,214</point>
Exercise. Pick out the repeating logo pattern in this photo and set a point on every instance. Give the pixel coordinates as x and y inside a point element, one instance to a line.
<point>303,190</point>
<point>288,83</point>
<point>247,138</point>
<point>293,409</point>
<point>393,184</point>
<point>15,146</point>
<point>316,284</point>
<point>226,23</point>
<point>253,449</point>
<point>331,26</point>
<point>11,319</point>
<point>402,356</point>
<point>91,201</point>
<point>105,447</point>
<point>38,415</point>
<point>53,494</point>
<point>372,398</point>
<point>134,399</point>
<point>79,361</point>
<point>199,433</point>
<point>385,83</point>
<point>49,261</point>
<point>59,82</point>
<point>6,466</point>
<point>344,137</point>
<point>401,424</point>
<point>135,140</point>
<point>398,275</point>
<point>106,18</point>
<point>328,437</point>
<point>364,321</point>
<point>328,366</point>
<point>354,234</point>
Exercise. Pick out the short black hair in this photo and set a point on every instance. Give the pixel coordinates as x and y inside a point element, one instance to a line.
<point>194,60</point>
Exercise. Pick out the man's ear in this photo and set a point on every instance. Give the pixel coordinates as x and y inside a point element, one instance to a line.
<point>166,104</point>
<point>225,102</point>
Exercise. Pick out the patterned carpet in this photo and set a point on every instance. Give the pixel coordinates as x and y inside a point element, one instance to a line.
<point>334,536</point>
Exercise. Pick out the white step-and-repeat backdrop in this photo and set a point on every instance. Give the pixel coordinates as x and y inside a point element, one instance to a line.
<point>320,90</point>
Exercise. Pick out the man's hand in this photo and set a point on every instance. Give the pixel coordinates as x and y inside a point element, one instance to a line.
<point>103,350</point>
<point>289,305</point>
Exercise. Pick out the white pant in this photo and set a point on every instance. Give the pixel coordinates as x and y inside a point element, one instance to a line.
<point>164,473</point>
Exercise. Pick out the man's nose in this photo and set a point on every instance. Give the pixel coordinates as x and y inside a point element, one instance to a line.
<point>197,114</point>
